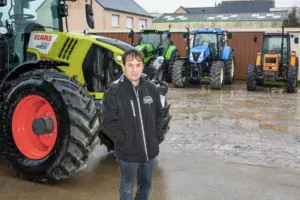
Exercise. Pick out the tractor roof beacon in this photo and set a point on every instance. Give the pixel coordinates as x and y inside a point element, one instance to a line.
<point>276,62</point>
<point>51,81</point>
<point>207,56</point>
<point>156,45</point>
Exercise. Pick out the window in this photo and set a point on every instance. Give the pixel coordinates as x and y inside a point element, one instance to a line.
<point>115,21</point>
<point>129,21</point>
<point>142,22</point>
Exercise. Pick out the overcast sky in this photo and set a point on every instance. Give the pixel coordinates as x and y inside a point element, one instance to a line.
<point>165,6</point>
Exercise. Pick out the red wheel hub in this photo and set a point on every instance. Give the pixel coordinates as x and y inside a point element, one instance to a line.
<point>30,144</point>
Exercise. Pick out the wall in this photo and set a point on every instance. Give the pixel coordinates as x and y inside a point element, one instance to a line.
<point>180,10</point>
<point>122,20</point>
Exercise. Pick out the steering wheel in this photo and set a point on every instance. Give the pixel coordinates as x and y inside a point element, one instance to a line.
<point>22,16</point>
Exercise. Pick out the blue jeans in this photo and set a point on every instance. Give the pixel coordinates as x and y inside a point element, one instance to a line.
<point>143,172</point>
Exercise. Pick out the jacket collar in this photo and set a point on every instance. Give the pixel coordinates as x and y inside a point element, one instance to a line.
<point>128,82</point>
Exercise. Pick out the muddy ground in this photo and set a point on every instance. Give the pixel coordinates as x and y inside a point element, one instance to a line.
<point>229,144</point>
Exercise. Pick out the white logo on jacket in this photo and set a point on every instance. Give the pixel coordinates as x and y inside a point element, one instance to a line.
<point>147,100</point>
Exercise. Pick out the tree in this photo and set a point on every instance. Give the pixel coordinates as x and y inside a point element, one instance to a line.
<point>293,19</point>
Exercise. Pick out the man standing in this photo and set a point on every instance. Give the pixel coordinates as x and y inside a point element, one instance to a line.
<point>133,120</point>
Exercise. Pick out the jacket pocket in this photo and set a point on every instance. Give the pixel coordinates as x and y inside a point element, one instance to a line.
<point>132,107</point>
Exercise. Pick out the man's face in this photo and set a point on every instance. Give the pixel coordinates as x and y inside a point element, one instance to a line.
<point>133,68</point>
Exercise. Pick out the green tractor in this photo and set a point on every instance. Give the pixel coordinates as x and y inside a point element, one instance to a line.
<point>51,88</point>
<point>156,46</point>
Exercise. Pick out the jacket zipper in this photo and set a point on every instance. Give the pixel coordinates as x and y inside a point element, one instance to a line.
<point>132,106</point>
<point>141,119</point>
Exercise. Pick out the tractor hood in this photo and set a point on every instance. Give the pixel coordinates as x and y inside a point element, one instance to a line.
<point>147,51</point>
<point>198,54</point>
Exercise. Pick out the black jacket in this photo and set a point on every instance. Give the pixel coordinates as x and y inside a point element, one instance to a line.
<point>133,119</point>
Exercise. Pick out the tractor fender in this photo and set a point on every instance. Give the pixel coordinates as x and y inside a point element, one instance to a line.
<point>31,65</point>
<point>226,52</point>
<point>170,50</point>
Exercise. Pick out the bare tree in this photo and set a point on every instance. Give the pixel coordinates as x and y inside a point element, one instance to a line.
<point>293,19</point>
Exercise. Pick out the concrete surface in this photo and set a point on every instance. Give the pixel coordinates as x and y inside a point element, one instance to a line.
<point>229,144</point>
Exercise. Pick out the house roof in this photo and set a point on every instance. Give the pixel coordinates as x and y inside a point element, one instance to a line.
<point>128,6</point>
<point>179,17</point>
<point>233,7</point>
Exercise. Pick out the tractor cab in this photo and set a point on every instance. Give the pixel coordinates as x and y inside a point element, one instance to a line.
<point>159,40</point>
<point>207,43</point>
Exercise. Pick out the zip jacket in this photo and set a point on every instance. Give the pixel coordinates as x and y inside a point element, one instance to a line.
<point>133,119</point>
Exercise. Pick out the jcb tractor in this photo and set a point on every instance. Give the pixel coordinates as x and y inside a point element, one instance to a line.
<point>51,86</point>
<point>156,46</point>
<point>276,62</point>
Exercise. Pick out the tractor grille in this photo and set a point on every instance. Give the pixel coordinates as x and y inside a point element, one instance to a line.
<point>270,60</point>
<point>67,48</point>
<point>196,56</point>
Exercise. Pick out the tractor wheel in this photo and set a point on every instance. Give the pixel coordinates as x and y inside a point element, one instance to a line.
<point>217,75</point>
<point>251,78</point>
<point>230,69</point>
<point>48,122</point>
<point>291,82</point>
<point>179,74</point>
<point>170,63</point>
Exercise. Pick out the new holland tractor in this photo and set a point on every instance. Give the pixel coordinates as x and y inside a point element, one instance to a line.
<point>276,62</point>
<point>207,56</point>
<point>51,86</point>
<point>155,44</point>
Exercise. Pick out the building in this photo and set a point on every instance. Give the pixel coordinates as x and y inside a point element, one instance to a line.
<point>231,6</point>
<point>230,14</point>
<point>109,15</point>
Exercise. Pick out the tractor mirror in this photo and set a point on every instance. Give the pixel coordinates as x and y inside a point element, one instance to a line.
<point>63,10</point>
<point>255,39</point>
<point>130,34</point>
<point>169,35</point>
<point>3,3</point>
<point>229,35</point>
<point>296,40</point>
<point>89,14</point>
<point>185,35</point>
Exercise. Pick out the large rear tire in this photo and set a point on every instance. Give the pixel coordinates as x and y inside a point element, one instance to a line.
<point>61,152</point>
<point>230,69</point>
<point>217,75</point>
<point>251,78</point>
<point>291,84</point>
<point>169,67</point>
<point>178,74</point>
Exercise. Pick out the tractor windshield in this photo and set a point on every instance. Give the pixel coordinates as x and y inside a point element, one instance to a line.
<point>205,39</point>
<point>26,16</point>
<point>150,38</point>
<point>272,44</point>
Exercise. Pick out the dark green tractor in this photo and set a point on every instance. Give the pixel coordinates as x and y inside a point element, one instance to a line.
<point>156,47</point>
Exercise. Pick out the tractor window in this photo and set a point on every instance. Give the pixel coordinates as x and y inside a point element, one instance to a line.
<point>25,13</point>
<point>150,38</point>
<point>165,40</point>
<point>272,44</point>
<point>205,39</point>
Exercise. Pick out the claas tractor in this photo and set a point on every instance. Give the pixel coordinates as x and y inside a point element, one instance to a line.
<point>208,56</point>
<point>51,88</point>
<point>157,47</point>
<point>275,63</point>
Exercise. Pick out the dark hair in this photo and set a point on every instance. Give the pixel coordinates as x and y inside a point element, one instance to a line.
<point>133,53</point>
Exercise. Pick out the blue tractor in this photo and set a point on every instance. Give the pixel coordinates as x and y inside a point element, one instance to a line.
<point>208,57</point>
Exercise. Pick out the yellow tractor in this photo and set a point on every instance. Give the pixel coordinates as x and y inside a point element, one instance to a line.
<point>51,87</point>
<point>276,62</point>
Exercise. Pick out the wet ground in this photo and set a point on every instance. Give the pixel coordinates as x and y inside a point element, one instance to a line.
<point>229,144</point>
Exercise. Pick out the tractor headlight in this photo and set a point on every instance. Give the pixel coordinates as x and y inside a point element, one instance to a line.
<point>119,58</point>
<point>201,57</point>
<point>191,57</point>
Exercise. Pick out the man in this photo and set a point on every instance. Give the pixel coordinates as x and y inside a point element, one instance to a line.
<point>133,120</point>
